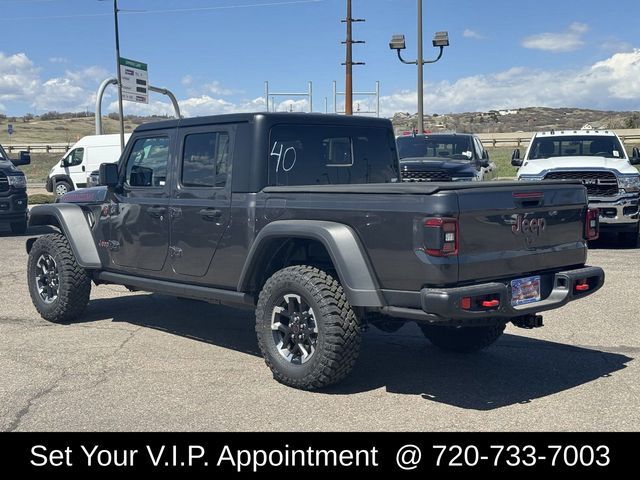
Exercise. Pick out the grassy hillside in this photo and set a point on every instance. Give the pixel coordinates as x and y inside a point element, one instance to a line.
<point>57,131</point>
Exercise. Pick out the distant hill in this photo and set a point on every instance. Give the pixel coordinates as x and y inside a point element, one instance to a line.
<point>54,127</point>
<point>521,119</point>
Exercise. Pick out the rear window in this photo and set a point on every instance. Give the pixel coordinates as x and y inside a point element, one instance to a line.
<point>454,147</point>
<point>576,145</point>
<point>329,155</point>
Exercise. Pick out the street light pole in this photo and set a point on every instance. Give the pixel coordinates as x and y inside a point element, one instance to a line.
<point>420,63</point>
<point>398,43</point>
<point>120,108</point>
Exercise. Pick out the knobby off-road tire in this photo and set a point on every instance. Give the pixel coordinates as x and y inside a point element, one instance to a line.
<point>58,286</point>
<point>463,339</point>
<point>309,304</point>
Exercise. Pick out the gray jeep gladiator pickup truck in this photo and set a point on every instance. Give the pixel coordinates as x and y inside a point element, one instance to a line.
<point>303,218</point>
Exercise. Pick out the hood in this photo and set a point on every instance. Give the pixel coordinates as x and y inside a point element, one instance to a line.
<point>7,167</point>
<point>535,167</point>
<point>466,168</point>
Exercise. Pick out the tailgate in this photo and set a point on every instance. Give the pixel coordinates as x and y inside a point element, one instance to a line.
<point>512,230</point>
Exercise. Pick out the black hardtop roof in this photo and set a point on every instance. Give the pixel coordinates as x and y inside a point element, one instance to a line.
<point>269,118</point>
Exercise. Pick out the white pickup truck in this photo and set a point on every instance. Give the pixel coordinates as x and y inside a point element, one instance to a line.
<point>599,160</point>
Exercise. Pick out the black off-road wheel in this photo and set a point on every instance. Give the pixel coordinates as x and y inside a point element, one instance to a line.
<point>58,286</point>
<point>307,332</point>
<point>19,228</point>
<point>462,339</point>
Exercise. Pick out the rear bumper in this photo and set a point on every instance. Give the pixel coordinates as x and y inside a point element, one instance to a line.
<point>443,305</point>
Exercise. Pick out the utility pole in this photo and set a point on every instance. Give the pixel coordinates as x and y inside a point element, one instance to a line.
<point>420,62</point>
<point>120,108</point>
<point>349,63</point>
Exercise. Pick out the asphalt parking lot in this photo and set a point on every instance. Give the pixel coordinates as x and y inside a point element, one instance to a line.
<point>139,361</point>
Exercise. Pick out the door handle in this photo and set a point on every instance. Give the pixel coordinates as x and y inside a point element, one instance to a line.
<point>156,212</point>
<point>210,213</point>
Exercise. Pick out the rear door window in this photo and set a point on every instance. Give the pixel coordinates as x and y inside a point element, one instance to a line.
<point>205,159</point>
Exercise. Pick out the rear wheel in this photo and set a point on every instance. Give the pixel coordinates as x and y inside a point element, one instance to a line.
<point>19,228</point>
<point>58,286</point>
<point>462,339</point>
<point>307,332</point>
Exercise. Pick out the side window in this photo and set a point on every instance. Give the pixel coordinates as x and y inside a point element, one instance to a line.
<point>479,148</point>
<point>74,158</point>
<point>205,159</point>
<point>331,155</point>
<point>147,162</point>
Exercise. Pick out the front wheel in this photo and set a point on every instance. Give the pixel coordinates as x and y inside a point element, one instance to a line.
<point>307,332</point>
<point>58,286</point>
<point>462,339</point>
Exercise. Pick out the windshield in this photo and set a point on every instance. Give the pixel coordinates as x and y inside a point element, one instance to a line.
<point>452,147</point>
<point>3,155</point>
<point>576,145</point>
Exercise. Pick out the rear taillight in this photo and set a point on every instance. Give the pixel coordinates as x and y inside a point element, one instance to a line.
<point>441,236</point>
<point>592,224</point>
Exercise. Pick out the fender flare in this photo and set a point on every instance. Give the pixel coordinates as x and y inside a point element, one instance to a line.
<point>344,248</point>
<point>71,220</point>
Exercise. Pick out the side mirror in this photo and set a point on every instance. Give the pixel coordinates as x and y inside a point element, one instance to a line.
<point>25,159</point>
<point>635,156</point>
<point>516,161</point>
<point>66,162</point>
<point>109,175</point>
<point>485,161</point>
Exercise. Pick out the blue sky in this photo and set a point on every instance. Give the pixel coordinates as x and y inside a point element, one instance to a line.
<point>216,54</point>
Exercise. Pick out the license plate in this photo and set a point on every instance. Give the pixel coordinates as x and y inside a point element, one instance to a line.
<point>525,290</point>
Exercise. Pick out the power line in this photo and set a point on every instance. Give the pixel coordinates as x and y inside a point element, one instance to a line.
<point>172,10</point>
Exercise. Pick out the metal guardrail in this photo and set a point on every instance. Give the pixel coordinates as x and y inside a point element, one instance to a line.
<point>38,147</point>
<point>522,139</point>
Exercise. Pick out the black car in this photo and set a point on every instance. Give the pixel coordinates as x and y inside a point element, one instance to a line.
<point>443,157</point>
<point>13,191</point>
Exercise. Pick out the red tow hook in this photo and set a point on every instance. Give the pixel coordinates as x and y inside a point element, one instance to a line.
<point>490,303</point>
<point>582,286</point>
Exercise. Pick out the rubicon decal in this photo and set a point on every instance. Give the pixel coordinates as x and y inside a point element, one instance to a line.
<point>525,226</point>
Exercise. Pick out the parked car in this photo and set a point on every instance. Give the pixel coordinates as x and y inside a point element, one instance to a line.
<point>444,157</point>
<point>302,218</point>
<point>13,191</point>
<point>84,157</point>
<point>597,159</point>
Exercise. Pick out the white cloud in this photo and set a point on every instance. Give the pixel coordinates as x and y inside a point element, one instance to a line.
<point>18,77</point>
<point>558,42</point>
<point>58,60</point>
<point>196,106</point>
<point>468,33</point>
<point>187,80</point>
<point>75,90</point>
<point>613,83</point>
<point>20,81</point>
<point>217,89</point>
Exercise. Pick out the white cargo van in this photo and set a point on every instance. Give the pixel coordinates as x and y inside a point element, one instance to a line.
<point>84,157</point>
